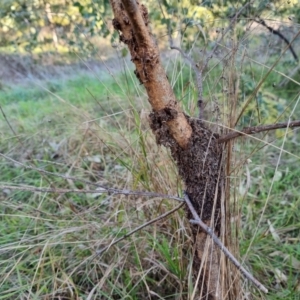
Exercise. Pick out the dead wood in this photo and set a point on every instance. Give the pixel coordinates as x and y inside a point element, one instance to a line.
<point>131,20</point>
<point>199,166</point>
<point>221,246</point>
<point>257,129</point>
<point>194,147</point>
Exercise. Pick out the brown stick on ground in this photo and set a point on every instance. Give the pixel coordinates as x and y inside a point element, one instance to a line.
<point>131,20</point>
<point>257,129</point>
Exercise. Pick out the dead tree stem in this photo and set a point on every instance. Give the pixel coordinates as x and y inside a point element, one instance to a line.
<point>194,147</point>
<point>131,21</point>
<point>138,25</point>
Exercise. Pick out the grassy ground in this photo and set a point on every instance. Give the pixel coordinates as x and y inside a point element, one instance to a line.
<point>93,130</point>
<point>82,128</point>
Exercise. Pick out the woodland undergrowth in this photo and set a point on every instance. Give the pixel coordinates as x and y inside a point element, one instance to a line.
<point>94,131</point>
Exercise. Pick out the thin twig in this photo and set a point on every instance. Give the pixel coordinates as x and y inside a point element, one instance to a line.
<point>277,32</point>
<point>200,69</point>
<point>103,188</point>
<point>216,240</point>
<point>186,56</point>
<point>198,73</point>
<point>254,92</point>
<point>257,129</point>
<point>290,77</point>
<point>224,32</point>
<point>139,228</point>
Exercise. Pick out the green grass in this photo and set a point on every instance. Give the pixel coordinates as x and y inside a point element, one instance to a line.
<point>84,128</point>
<point>96,130</point>
<point>275,242</point>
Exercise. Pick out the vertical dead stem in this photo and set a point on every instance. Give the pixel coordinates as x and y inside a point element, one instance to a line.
<point>193,147</point>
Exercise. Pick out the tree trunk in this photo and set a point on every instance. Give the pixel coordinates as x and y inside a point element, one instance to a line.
<point>194,147</point>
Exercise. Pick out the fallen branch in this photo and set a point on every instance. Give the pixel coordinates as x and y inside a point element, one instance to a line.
<point>257,129</point>
<point>216,240</point>
<point>101,190</point>
<point>139,228</point>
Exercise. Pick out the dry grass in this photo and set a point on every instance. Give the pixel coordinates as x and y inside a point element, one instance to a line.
<point>95,127</point>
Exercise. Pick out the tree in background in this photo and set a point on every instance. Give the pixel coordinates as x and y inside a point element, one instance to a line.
<point>69,25</point>
<point>51,25</point>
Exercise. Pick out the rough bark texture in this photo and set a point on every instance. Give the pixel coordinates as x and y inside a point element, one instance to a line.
<point>193,146</point>
<point>199,165</point>
<point>132,23</point>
